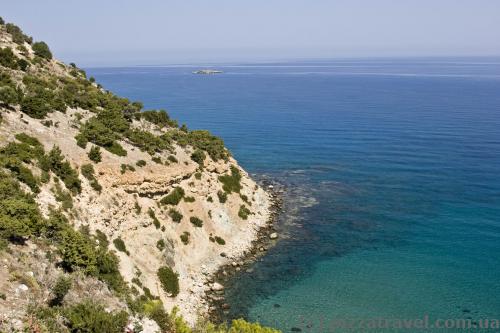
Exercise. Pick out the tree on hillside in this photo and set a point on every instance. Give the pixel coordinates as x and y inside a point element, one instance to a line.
<point>41,49</point>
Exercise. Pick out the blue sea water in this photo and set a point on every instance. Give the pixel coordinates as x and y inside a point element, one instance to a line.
<point>393,171</point>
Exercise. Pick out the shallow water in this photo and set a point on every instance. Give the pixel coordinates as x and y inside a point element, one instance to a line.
<point>393,166</point>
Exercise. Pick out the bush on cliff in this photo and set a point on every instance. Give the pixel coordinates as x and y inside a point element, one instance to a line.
<point>175,215</point>
<point>41,49</point>
<point>169,280</point>
<point>231,183</point>
<point>174,197</point>
<point>91,317</point>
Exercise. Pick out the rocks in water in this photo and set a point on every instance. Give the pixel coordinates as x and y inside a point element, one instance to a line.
<point>217,286</point>
<point>274,235</point>
<point>225,306</point>
<point>277,305</point>
<point>296,329</point>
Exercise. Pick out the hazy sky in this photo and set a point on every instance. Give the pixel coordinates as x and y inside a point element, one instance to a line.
<point>100,32</point>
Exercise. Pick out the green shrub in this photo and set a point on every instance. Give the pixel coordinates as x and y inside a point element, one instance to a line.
<point>76,250</point>
<point>141,163</point>
<point>244,212</point>
<point>62,196</point>
<point>185,237</point>
<point>189,199</point>
<point>91,317</point>
<point>56,163</point>
<point>220,240</point>
<point>172,159</point>
<point>242,326</point>
<point>116,149</point>
<point>18,36</point>
<point>102,238</point>
<point>19,213</point>
<point>175,215</point>
<point>59,290</point>
<point>231,183</point>
<point>174,197</point>
<point>196,221</point>
<point>169,280</point>
<point>35,106</point>
<point>155,311</point>
<point>156,222</point>
<point>160,245</point>
<point>222,196</point>
<point>8,58</point>
<point>125,167</point>
<point>8,96</point>
<point>137,208</point>
<point>156,159</point>
<point>95,154</point>
<point>160,118</point>
<point>102,131</point>
<point>197,175</point>
<point>198,156</point>
<point>41,49</point>
<point>88,172</point>
<point>147,141</point>
<point>108,270</point>
<point>120,245</point>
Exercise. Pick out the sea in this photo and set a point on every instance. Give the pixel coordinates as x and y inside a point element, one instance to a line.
<point>391,220</point>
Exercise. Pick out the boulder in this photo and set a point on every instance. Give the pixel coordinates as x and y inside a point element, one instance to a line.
<point>274,235</point>
<point>217,286</point>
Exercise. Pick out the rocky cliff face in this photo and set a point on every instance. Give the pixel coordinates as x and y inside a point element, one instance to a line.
<point>213,207</point>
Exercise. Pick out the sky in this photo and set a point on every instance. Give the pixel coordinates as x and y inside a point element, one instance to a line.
<point>156,32</point>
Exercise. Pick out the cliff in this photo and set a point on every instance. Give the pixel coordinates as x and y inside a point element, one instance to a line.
<point>113,200</point>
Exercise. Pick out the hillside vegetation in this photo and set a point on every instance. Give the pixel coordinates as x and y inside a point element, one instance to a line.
<point>106,213</point>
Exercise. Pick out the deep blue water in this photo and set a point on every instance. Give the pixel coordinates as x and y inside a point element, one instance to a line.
<point>393,169</point>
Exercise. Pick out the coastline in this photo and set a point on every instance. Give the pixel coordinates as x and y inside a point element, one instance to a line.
<point>265,238</point>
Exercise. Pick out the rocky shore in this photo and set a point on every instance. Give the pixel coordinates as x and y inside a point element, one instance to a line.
<point>267,236</point>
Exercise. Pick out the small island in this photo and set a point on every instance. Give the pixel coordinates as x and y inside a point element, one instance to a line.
<point>207,71</point>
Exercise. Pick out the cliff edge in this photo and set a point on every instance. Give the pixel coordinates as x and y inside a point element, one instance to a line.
<point>131,210</point>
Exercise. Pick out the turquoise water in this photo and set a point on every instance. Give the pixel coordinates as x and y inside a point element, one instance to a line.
<point>393,171</point>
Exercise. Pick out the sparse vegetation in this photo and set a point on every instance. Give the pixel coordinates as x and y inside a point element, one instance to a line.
<point>62,196</point>
<point>26,169</point>
<point>125,167</point>
<point>152,214</point>
<point>89,173</point>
